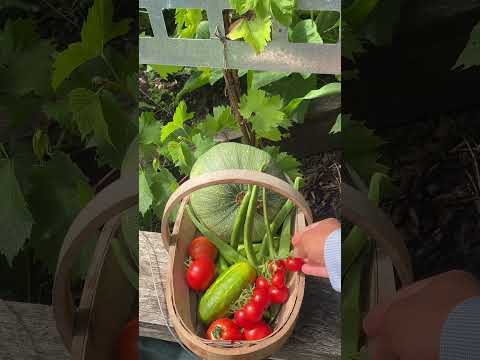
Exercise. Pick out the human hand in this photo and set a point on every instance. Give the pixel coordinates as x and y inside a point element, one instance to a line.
<point>409,326</point>
<point>309,244</point>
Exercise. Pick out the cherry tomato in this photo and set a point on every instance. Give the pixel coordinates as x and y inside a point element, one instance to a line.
<point>278,295</point>
<point>294,264</point>
<point>260,331</point>
<point>253,312</point>
<point>278,279</point>
<point>201,246</point>
<point>240,318</point>
<point>276,265</point>
<point>127,343</point>
<point>200,274</point>
<point>262,283</point>
<point>224,329</point>
<point>261,296</point>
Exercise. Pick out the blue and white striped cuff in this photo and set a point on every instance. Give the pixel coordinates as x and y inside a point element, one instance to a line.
<point>333,259</point>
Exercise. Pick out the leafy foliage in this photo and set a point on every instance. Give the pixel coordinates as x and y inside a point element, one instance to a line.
<point>470,56</point>
<point>256,32</point>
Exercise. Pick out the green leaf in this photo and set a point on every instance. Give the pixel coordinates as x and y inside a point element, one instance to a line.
<point>263,78</point>
<point>470,56</point>
<point>358,12</point>
<point>88,114</point>
<point>337,127</point>
<point>145,196</point>
<point>351,45</point>
<point>284,161</point>
<point>187,21</point>
<point>305,31</point>
<point>150,129</point>
<point>283,11</point>
<point>40,143</point>
<point>16,218</point>
<point>164,70</point>
<point>327,20</point>
<point>201,144</point>
<point>59,111</point>
<point>265,114</point>
<point>255,32</point>
<point>326,90</point>
<point>194,82</point>
<point>181,156</point>
<point>162,185</point>
<point>181,115</point>
<point>222,119</point>
<point>203,31</point>
<point>97,30</point>
<point>243,6</point>
<point>59,191</point>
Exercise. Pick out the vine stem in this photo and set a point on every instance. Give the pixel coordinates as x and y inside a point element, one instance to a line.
<point>3,150</point>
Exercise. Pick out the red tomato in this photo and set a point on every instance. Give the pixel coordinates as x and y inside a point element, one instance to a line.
<point>261,296</point>
<point>294,264</point>
<point>201,246</point>
<point>260,331</point>
<point>278,295</point>
<point>262,283</point>
<point>276,265</point>
<point>253,312</point>
<point>278,279</point>
<point>240,318</point>
<point>127,343</point>
<point>224,329</point>
<point>200,274</point>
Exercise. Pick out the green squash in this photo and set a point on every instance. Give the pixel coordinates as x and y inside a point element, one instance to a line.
<point>217,206</point>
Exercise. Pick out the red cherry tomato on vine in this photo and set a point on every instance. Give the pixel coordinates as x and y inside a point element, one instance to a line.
<point>294,264</point>
<point>261,296</point>
<point>253,312</point>
<point>240,318</point>
<point>201,273</point>
<point>224,329</point>
<point>260,331</point>
<point>278,295</point>
<point>278,279</point>
<point>201,246</point>
<point>262,283</point>
<point>277,265</point>
<point>127,343</point>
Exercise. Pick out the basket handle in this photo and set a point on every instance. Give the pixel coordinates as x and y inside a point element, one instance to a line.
<point>111,201</point>
<point>249,177</point>
<point>358,209</point>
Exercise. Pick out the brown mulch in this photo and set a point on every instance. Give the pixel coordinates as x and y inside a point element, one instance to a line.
<point>436,166</point>
<point>322,184</point>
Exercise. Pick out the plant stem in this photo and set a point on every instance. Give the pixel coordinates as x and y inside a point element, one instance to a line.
<point>3,150</point>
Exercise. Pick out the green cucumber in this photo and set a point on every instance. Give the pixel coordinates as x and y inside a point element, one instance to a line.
<point>224,291</point>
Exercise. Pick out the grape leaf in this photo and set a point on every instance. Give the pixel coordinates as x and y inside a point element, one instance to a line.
<point>351,45</point>
<point>59,111</point>
<point>256,32</point>
<point>284,161</point>
<point>97,30</point>
<point>470,56</point>
<point>260,79</point>
<point>181,115</point>
<point>305,31</point>
<point>88,114</point>
<point>59,191</point>
<point>181,156</point>
<point>150,129</point>
<point>164,70</point>
<point>187,21</point>
<point>222,119</point>
<point>16,218</point>
<point>194,82</point>
<point>201,144</point>
<point>145,196</point>
<point>283,11</point>
<point>203,31</point>
<point>264,113</point>
<point>337,127</point>
<point>162,184</point>
<point>243,6</point>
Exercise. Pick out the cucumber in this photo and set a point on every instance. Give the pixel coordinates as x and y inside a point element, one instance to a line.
<point>224,291</point>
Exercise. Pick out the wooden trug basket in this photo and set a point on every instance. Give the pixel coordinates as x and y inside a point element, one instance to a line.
<point>90,331</point>
<point>182,303</point>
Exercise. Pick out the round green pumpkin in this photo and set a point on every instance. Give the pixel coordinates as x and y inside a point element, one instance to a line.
<point>217,206</point>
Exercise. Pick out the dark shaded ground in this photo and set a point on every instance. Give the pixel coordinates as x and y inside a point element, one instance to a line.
<point>435,163</point>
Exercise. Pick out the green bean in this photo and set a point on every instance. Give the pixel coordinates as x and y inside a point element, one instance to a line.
<point>256,248</point>
<point>271,250</point>
<point>248,228</point>
<point>285,238</point>
<point>222,264</point>
<point>225,250</point>
<point>282,214</point>
<point>239,221</point>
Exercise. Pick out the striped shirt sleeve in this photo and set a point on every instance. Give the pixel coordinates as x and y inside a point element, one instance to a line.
<point>460,339</point>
